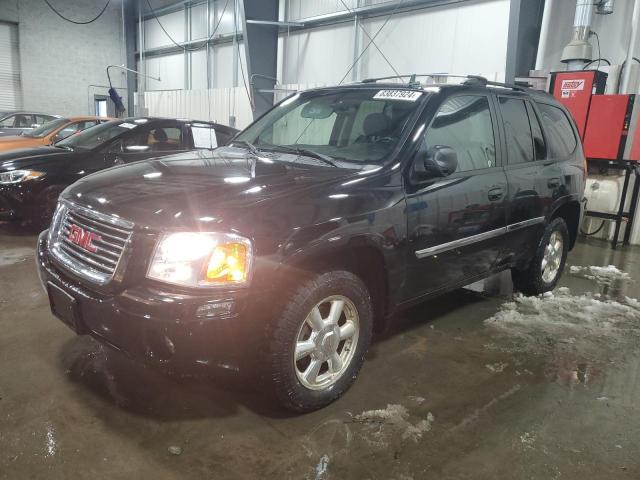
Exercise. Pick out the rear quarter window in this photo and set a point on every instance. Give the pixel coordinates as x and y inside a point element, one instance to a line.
<point>561,138</point>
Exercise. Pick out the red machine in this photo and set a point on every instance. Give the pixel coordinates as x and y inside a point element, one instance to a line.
<point>605,123</point>
<point>575,90</point>
<point>608,126</point>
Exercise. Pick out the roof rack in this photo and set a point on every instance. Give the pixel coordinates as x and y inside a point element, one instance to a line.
<point>471,80</point>
<point>482,81</point>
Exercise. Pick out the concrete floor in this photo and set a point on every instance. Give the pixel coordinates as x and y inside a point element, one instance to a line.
<point>539,391</point>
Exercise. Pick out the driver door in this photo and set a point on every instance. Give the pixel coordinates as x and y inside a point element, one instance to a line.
<point>455,222</point>
<point>157,140</point>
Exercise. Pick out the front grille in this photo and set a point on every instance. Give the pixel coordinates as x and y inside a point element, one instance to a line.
<point>88,243</point>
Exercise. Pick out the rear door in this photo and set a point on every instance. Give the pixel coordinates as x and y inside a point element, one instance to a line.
<point>535,179</point>
<point>455,223</point>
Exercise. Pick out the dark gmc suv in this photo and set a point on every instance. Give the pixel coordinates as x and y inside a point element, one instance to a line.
<point>283,251</point>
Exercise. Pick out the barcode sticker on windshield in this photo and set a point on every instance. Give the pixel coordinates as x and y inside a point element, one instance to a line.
<point>405,95</point>
<point>127,125</point>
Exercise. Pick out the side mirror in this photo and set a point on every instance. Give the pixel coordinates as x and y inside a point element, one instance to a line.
<point>438,161</point>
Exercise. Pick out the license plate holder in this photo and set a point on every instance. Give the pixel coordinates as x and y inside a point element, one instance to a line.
<point>63,306</point>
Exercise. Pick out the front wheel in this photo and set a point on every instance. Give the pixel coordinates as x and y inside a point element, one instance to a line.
<point>547,265</point>
<point>45,207</point>
<point>320,340</point>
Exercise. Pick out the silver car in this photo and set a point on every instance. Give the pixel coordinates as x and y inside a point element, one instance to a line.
<point>16,122</point>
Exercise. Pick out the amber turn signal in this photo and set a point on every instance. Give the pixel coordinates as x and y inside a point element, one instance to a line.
<point>228,263</point>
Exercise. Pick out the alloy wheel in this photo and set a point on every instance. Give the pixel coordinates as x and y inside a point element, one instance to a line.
<point>552,257</point>
<point>326,342</point>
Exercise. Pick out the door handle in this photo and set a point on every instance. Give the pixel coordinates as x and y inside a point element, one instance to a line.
<point>495,194</point>
<point>553,183</point>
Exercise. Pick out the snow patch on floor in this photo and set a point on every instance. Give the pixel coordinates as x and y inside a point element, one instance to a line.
<point>394,418</point>
<point>528,440</point>
<point>603,275</point>
<point>577,322</point>
<point>496,367</point>
<point>11,256</point>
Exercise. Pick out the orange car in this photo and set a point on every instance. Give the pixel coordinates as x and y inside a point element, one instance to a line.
<point>50,133</point>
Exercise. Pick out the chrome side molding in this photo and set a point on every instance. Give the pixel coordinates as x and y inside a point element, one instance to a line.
<point>463,242</point>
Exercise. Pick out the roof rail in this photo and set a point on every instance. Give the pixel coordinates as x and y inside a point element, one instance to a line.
<point>412,77</point>
<point>482,81</point>
<point>471,80</point>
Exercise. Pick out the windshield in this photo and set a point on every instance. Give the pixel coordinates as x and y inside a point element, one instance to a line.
<point>95,136</point>
<point>47,128</point>
<point>361,125</point>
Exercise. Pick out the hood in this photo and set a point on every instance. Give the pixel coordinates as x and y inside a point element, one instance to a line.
<point>14,142</point>
<point>200,187</point>
<point>31,157</point>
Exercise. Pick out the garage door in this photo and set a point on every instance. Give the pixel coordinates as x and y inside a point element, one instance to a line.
<point>10,86</point>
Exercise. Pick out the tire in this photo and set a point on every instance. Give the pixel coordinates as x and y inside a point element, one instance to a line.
<point>292,381</point>
<point>45,207</point>
<point>536,279</point>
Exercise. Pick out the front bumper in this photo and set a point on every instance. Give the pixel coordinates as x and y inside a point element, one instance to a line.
<point>159,326</point>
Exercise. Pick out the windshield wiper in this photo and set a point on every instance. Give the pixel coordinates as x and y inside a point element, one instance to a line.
<point>307,153</point>
<point>252,148</point>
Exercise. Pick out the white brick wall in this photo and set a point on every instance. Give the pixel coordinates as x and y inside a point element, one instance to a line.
<point>59,60</point>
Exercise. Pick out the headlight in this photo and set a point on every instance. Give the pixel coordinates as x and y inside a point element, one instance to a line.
<point>17,176</point>
<point>201,259</point>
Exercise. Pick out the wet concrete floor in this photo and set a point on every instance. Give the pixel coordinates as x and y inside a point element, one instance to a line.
<point>472,385</point>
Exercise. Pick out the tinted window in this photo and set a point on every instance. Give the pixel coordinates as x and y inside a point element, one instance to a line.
<point>464,124</point>
<point>562,140</point>
<point>70,130</point>
<point>47,128</point>
<point>224,137</point>
<point>96,136</point>
<point>40,119</point>
<point>517,130</point>
<point>156,139</point>
<point>539,145</point>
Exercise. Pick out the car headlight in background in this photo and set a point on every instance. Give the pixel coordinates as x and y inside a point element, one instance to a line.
<point>17,176</point>
<point>201,259</point>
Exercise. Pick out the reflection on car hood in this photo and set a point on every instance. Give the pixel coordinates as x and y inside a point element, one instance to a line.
<point>30,157</point>
<point>199,186</point>
<point>14,142</point>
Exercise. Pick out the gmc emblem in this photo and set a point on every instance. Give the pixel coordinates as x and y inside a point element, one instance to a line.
<point>83,238</point>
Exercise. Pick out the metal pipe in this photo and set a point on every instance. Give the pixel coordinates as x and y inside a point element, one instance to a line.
<point>544,33</point>
<point>208,52</point>
<point>579,50</point>
<point>143,66</point>
<point>129,70</point>
<point>635,18</point>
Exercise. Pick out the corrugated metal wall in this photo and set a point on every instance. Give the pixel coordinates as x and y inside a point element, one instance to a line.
<point>217,104</point>
<point>465,37</point>
<point>10,85</point>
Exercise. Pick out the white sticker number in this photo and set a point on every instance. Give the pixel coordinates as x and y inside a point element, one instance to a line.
<point>404,95</point>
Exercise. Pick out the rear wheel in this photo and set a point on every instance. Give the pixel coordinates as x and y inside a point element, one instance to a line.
<point>545,269</point>
<point>319,341</point>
